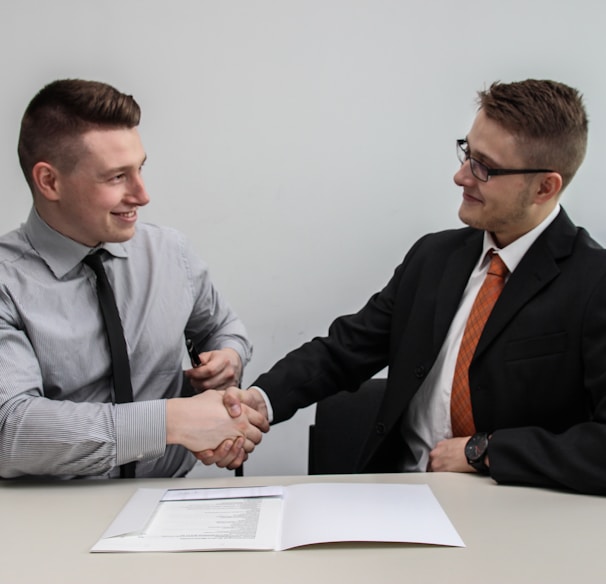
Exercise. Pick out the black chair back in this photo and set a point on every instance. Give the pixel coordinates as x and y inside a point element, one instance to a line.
<point>342,424</point>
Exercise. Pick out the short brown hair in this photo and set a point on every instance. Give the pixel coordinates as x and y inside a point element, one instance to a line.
<point>61,112</point>
<point>547,118</point>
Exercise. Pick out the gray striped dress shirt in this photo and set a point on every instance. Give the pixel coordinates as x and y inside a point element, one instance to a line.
<point>56,415</point>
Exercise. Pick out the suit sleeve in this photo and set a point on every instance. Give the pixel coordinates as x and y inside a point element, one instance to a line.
<point>356,347</point>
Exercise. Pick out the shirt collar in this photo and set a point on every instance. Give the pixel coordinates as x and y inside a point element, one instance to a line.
<point>61,254</point>
<point>513,253</point>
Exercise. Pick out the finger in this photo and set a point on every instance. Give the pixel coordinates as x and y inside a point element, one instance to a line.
<point>252,438</point>
<point>228,461</point>
<point>253,434</point>
<point>231,401</point>
<point>205,373</point>
<point>198,384</point>
<point>233,456</point>
<point>205,456</point>
<point>236,455</point>
<point>256,418</point>
<point>205,358</point>
<point>213,456</point>
<point>255,400</point>
<point>207,378</point>
<point>208,368</point>
<point>239,461</point>
<point>249,446</point>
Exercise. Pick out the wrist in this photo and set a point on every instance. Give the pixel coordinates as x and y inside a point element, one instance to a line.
<point>476,452</point>
<point>260,402</point>
<point>173,427</point>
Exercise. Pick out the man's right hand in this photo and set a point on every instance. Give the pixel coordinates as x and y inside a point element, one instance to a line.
<point>236,401</point>
<point>202,422</point>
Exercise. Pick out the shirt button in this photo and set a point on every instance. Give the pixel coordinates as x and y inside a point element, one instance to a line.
<point>380,428</point>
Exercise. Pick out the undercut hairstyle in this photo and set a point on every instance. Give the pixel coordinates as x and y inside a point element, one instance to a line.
<point>61,112</point>
<point>547,118</point>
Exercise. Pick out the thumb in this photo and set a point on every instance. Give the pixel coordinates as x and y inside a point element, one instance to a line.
<point>231,401</point>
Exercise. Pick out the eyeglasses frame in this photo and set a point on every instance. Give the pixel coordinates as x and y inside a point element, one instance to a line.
<point>490,172</point>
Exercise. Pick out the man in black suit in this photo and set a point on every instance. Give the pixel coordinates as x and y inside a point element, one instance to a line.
<point>537,378</point>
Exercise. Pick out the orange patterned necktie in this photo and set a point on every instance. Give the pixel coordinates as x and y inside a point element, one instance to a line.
<point>460,401</point>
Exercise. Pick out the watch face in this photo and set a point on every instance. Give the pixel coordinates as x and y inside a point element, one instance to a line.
<point>476,446</point>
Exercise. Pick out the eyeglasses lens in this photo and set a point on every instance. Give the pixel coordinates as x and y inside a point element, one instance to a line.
<point>477,168</point>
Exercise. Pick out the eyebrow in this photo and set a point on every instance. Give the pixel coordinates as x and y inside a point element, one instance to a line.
<point>122,169</point>
<point>481,157</point>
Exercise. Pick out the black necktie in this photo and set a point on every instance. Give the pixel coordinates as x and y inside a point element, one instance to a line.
<point>123,391</point>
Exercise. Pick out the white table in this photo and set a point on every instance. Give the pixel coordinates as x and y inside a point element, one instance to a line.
<point>512,534</point>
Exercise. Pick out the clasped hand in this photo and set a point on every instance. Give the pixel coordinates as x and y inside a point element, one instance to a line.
<point>218,369</point>
<point>210,420</point>
<point>221,370</point>
<point>231,454</point>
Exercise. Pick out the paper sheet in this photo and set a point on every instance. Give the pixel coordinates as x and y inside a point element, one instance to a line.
<point>277,518</point>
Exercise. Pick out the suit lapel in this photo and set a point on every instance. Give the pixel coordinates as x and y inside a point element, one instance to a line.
<point>452,284</point>
<point>458,265</point>
<point>538,268</point>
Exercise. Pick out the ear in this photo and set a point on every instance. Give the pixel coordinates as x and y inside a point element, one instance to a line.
<point>45,177</point>
<point>549,187</point>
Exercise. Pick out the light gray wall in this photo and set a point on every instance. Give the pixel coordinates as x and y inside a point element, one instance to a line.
<point>302,145</point>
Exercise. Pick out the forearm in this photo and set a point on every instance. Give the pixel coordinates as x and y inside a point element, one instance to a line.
<point>140,431</point>
<point>66,439</point>
<point>316,370</point>
<point>532,456</point>
<point>356,347</point>
<point>213,324</point>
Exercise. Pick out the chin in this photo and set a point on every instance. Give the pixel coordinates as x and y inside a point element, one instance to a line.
<point>120,237</point>
<point>471,221</point>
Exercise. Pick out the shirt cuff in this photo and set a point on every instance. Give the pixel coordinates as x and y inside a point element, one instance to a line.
<point>140,431</point>
<point>270,411</point>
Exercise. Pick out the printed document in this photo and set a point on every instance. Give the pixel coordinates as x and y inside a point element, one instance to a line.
<point>277,518</point>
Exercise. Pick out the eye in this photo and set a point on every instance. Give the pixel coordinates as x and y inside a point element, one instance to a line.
<point>118,178</point>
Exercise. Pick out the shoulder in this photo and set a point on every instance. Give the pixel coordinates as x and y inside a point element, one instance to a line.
<point>15,248</point>
<point>571,244</point>
<point>166,247</point>
<point>152,232</point>
<point>156,240</point>
<point>439,246</point>
<point>587,260</point>
<point>450,237</point>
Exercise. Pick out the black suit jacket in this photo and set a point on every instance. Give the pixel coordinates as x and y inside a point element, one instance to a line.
<point>537,379</point>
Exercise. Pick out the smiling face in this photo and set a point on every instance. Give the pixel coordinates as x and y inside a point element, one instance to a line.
<point>96,201</point>
<point>508,206</point>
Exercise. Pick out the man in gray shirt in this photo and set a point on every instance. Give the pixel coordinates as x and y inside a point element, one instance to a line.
<point>82,157</point>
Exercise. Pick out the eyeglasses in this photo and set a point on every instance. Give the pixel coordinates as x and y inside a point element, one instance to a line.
<point>483,172</point>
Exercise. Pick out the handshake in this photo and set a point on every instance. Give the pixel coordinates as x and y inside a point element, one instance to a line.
<point>219,426</point>
<point>222,424</point>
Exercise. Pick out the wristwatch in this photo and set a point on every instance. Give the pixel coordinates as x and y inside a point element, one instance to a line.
<point>475,451</point>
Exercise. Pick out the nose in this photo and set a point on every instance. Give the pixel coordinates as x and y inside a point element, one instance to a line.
<point>464,176</point>
<point>137,191</point>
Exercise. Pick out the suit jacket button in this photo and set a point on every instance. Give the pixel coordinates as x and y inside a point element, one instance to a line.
<point>420,372</point>
<point>380,428</point>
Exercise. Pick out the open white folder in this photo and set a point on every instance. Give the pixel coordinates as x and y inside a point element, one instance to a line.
<point>277,518</point>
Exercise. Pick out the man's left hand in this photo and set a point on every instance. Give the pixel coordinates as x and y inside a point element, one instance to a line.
<point>220,369</point>
<point>449,456</point>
